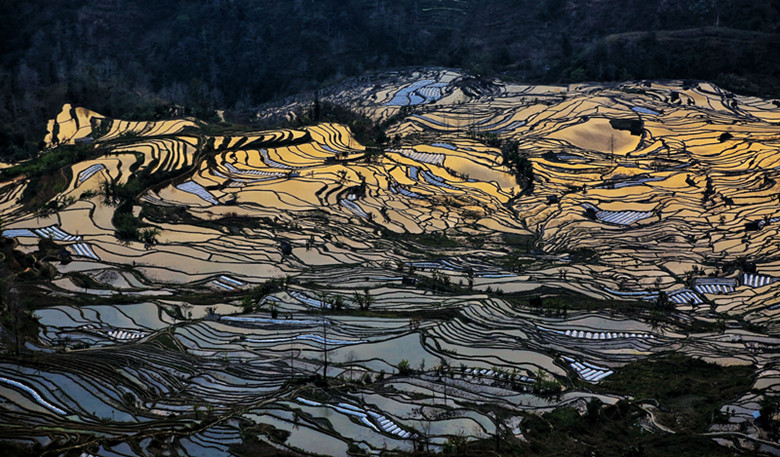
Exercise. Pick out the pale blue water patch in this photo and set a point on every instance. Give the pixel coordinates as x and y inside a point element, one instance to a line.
<point>432,92</point>
<point>406,193</point>
<point>435,180</point>
<point>89,172</point>
<point>271,163</point>
<point>194,188</point>
<point>13,233</point>
<point>631,294</point>
<point>150,382</point>
<point>145,315</point>
<point>446,146</point>
<point>622,217</point>
<point>415,99</point>
<point>354,208</point>
<point>405,95</point>
<point>568,157</point>
<point>60,317</point>
<point>110,315</point>
<point>328,148</point>
<point>639,109</point>
<point>67,391</point>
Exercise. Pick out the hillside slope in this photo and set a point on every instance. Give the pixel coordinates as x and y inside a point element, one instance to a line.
<point>130,59</point>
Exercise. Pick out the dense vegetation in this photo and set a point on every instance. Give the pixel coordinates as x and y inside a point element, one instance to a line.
<point>689,391</point>
<point>133,59</point>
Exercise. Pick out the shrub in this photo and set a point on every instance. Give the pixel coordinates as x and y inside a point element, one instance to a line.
<point>404,368</point>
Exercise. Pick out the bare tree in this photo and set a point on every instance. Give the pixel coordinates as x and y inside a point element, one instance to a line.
<point>350,359</point>
<point>426,422</point>
<point>324,301</point>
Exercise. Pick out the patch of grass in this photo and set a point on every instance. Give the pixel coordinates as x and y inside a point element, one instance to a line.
<point>365,131</point>
<point>556,302</point>
<point>514,262</point>
<point>47,174</point>
<point>553,301</point>
<point>689,391</point>
<point>439,282</point>
<point>41,190</point>
<point>434,240</point>
<point>605,431</point>
<point>255,447</point>
<point>519,242</point>
<point>51,161</point>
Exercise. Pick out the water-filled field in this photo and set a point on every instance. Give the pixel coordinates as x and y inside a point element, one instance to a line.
<point>507,253</point>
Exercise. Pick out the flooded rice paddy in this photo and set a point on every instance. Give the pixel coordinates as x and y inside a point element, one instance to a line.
<point>407,274</point>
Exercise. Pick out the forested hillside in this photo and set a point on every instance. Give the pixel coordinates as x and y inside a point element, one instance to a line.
<point>133,58</point>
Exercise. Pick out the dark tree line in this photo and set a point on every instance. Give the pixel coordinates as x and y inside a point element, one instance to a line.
<point>132,58</point>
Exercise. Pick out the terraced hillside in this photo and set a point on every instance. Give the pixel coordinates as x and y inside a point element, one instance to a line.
<point>511,255</point>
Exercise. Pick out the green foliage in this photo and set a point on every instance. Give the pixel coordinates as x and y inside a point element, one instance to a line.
<point>247,304</point>
<point>514,262</point>
<point>404,368</point>
<point>125,223</point>
<point>608,430</point>
<point>364,300</point>
<point>254,441</point>
<point>520,165</point>
<point>770,406</point>
<point>16,307</point>
<point>128,135</point>
<point>54,205</point>
<point>117,194</point>
<point>192,57</point>
<point>434,239</point>
<point>546,385</point>
<point>337,302</point>
<point>46,175</point>
<point>578,74</point>
<point>439,282</point>
<point>149,235</point>
<point>691,390</point>
<point>260,291</point>
<point>50,161</point>
<point>365,131</point>
<point>455,444</point>
<point>519,242</point>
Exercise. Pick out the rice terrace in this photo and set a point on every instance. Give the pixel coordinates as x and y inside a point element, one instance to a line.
<point>416,262</point>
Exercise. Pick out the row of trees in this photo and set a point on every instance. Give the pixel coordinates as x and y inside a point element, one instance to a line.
<point>237,55</point>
